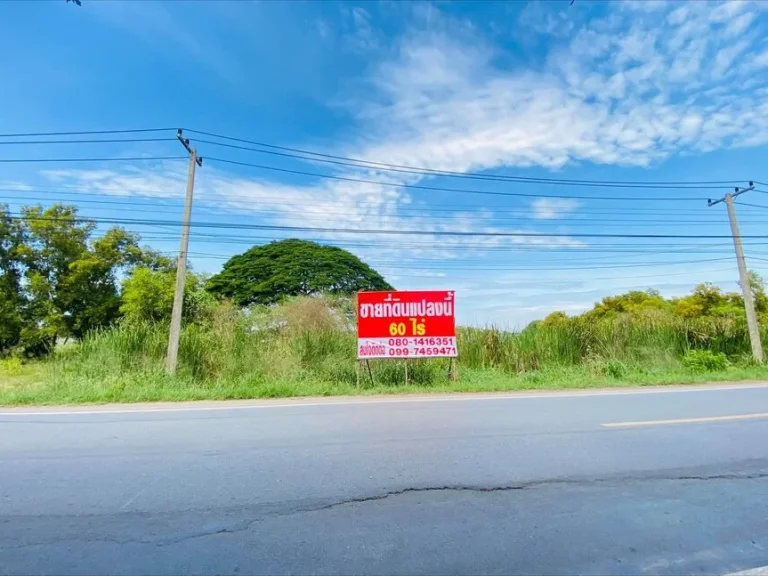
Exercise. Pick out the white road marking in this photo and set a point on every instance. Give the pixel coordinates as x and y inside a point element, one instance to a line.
<point>686,420</point>
<point>371,400</point>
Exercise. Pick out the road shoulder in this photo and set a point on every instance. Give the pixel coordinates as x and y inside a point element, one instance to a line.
<point>206,405</point>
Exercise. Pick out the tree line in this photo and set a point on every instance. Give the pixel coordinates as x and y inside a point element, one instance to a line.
<point>60,278</point>
<point>706,301</point>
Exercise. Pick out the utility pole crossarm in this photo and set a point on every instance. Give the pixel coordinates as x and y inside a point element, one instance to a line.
<point>192,151</point>
<point>172,355</point>
<point>746,288</point>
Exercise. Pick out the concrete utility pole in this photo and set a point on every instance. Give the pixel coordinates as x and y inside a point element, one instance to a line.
<point>172,355</point>
<point>746,289</point>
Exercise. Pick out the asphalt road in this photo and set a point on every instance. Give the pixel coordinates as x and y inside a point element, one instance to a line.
<point>598,483</point>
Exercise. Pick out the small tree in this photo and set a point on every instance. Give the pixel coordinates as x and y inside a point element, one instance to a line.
<point>147,296</point>
<point>757,284</point>
<point>12,301</point>
<point>632,302</point>
<point>555,318</point>
<point>709,300</point>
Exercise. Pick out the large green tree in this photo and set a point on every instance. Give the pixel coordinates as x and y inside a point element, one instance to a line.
<point>265,274</point>
<point>57,281</point>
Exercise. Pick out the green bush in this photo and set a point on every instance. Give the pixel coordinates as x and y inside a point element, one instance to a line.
<point>705,361</point>
<point>10,366</point>
<point>615,369</point>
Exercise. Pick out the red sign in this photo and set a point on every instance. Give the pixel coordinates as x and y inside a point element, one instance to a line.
<point>406,324</point>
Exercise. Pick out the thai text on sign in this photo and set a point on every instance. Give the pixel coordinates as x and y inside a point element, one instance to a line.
<point>418,324</point>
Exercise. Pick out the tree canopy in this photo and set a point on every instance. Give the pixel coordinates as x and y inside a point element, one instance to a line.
<point>265,274</point>
<point>147,296</point>
<point>56,281</point>
<point>705,301</point>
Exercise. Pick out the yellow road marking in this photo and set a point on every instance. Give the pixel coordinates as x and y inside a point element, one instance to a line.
<point>686,420</point>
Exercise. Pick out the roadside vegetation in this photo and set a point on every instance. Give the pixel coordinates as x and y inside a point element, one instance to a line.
<point>306,346</point>
<point>86,320</point>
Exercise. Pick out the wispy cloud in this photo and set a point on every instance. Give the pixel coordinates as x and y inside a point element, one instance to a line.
<point>362,34</point>
<point>330,204</point>
<point>552,208</point>
<point>630,88</point>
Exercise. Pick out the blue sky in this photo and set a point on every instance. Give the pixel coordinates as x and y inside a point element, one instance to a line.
<point>609,91</point>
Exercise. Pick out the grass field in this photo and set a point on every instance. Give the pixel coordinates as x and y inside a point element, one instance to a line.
<point>307,347</point>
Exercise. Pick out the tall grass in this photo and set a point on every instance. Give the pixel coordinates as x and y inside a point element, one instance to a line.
<point>310,338</point>
<point>307,346</point>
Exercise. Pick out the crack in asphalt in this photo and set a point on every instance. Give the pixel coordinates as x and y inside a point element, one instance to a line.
<point>529,485</point>
<point>244,525</point>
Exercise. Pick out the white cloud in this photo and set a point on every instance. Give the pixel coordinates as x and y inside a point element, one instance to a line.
<point>328,204</point>
<point>537,18</point>
<point>323,29</point>
<point>678,15</point>
<point>760,60</point>
<point>739,24</point>
<point>728,10</point>
<point>725,57</point>
<point>359,32</point>
<point>624,89</point>
<point>15,185</point>
<point>552,208</point>
<point>645,5</point>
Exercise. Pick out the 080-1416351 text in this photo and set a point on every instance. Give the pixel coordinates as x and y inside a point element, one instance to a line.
<point>413,324</point>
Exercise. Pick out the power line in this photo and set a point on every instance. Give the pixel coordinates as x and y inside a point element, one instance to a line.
<point>386,242</point>
<point>438,189</point>
<point>427,172</point>
<point>433,278</point>
<point>387,232</point>
<point>363,163</point>
<point>452,277</point>
<point>751,205</point>
<point>97,141</point>
<point>163,196</point>
<point>613,247</point>
<point>509,268</point>
<point>555,269</point>
<point>132,159</point>
<point>84,132</point>
<point>359,163</point>
<point>446,266</point>
<point>540,250</point>
<point>574,254</point>
<point>563,222</point>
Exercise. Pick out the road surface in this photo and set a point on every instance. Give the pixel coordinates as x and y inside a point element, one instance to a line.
<point>638,482</point>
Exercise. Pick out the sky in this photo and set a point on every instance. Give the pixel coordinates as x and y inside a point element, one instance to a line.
<point>605,92</point>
